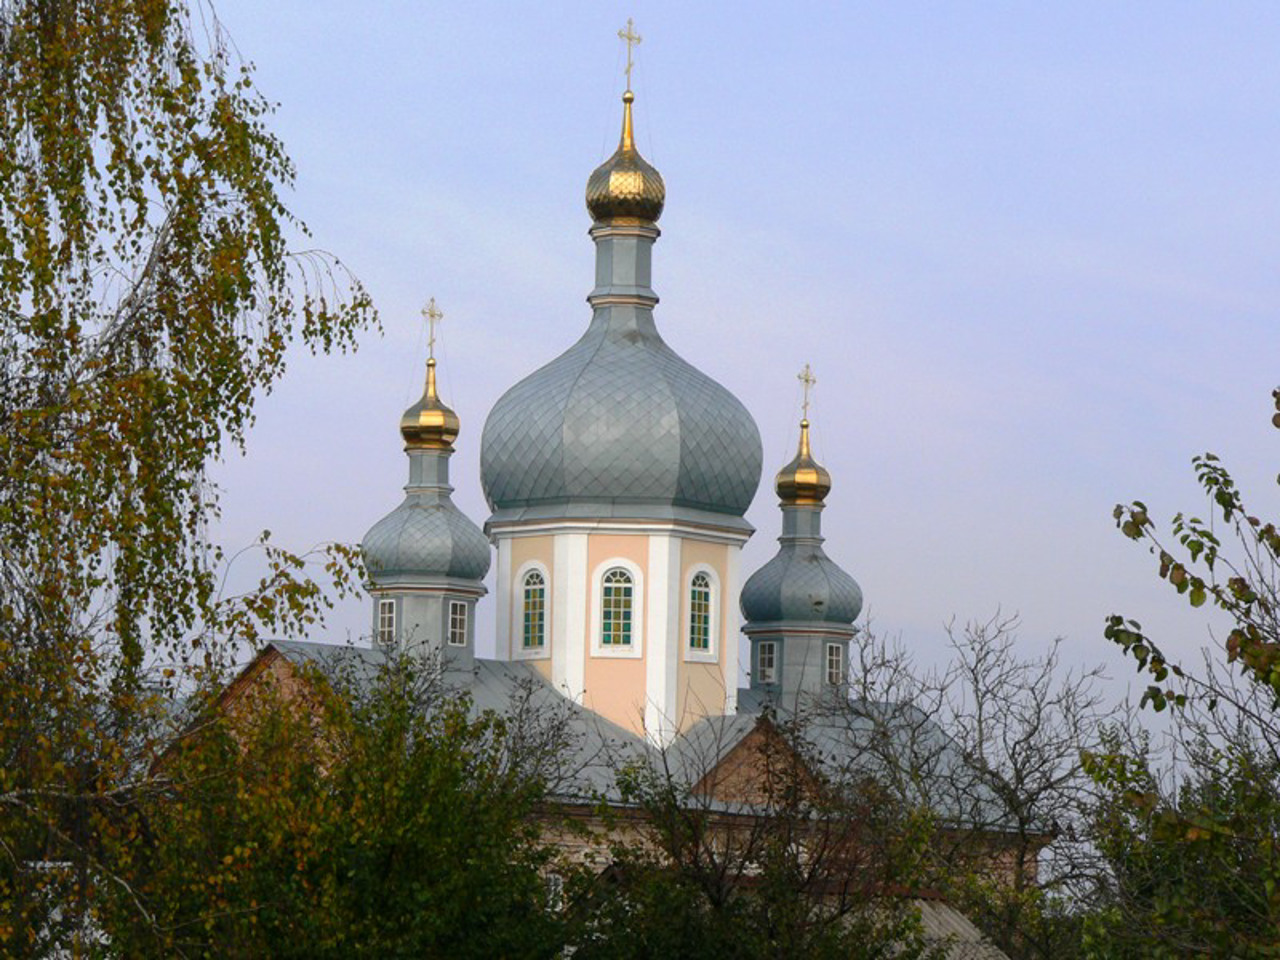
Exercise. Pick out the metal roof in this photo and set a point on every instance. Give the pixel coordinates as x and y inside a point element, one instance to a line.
<point>801,584</point>
<point>620,418</point>
<point>427,535</point>
<point>844,740</point>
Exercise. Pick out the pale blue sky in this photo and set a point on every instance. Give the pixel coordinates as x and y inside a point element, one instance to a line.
<point>1030,249</point>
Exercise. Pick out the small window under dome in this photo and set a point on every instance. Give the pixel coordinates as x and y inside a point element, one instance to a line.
<point>457,623</point>
<point>835,664</point>
<point>767,662</point>
<point>386,622</point>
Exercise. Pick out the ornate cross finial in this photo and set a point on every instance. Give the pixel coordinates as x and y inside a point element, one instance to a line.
<point>433,316</point>
<point>806,377</point>
<point>632,38</point>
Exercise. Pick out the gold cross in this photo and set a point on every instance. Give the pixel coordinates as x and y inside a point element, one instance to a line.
<point>632,39</point>
<point>806,377</point>
<point>433,316</point>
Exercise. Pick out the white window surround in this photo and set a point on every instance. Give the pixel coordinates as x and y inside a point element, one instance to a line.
<point>518,650</point>
<point>635,650</point>
<point>712,653</point>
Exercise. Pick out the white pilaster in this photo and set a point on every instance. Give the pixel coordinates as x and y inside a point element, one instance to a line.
<point>569,635</point>
<point>675,639</point>
<point>560,590</point>
<point>662,642</point>
<point>731,626</point>
<point>503,588</point>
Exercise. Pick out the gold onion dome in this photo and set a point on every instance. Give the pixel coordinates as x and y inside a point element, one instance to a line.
<point>803,481</point>
<point>626,185</point>
<point>429,424</point>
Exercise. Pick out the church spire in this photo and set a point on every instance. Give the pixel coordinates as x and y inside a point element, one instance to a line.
<point>804,481</point>
<point>800,606</point>
<point>626,186</point>
<point>632,39</point>
<point>426,560</point>
<point>429,424</point>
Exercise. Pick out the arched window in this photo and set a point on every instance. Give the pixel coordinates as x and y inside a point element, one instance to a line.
<point>700,613</point>
<point>533,634</point>
<point>617,590</point>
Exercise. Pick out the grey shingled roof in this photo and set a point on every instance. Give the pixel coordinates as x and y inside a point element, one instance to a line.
<point>427,535</point>
<point>620,418</point>
<point>845,740</point>
<point>944,924</point>
<point>365,662</point>
<point>600,747</point>
<point>801,584</point>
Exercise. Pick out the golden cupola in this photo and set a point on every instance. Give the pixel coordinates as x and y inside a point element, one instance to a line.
<point>429,424</point>
<point>803,481</point>
<point>626,186</point>
<point>426,543</point>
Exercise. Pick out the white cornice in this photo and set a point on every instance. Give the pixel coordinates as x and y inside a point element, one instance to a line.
<point>693,531</point>
<point>468,589</point>
<point>798,629</point>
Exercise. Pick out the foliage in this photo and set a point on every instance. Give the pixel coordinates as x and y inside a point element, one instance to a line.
<point>371,812</point>
<point>791,864</point>
<point>1194,855</point>
<point>148,294</point>
<point>1194,862</point>
<point>992,743</point>
<point>1245,585</point>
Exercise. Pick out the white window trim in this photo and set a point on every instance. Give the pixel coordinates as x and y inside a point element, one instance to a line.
<point>636,650</point>
<point>387,603</point>
<point>518,650</point>
<point>466,624</point>
<point>712,653</point>
<point>773,646</point>
<point>839,651</point>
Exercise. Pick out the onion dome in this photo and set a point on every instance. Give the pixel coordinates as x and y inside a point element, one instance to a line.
<point>426,538</point>
<point>615,423</point>
<point>429,424</point>
<point>619,426</point>
<point>801,584</point>
<point>803,480</point>
<point>626,185</point>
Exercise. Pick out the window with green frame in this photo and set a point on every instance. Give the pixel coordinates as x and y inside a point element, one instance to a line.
<point>700,613</point>
<point>616,598</point>
<point>534,634</point>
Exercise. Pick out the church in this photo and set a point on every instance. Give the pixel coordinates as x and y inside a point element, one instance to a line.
<point>618,476</point>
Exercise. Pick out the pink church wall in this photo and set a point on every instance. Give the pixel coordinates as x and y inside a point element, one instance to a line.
<point>524,549</point>
<point>702,685</point>
<point>615,686</point>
